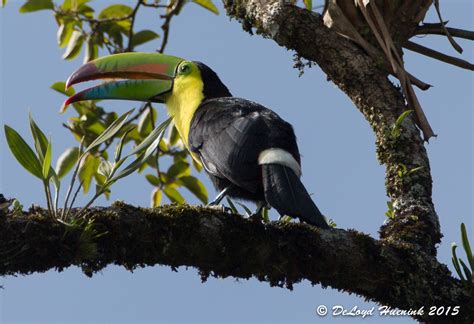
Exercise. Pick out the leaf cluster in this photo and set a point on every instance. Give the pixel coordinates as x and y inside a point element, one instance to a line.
<point>81,159</point>
<point>82,28</point>
<point>464,271</point>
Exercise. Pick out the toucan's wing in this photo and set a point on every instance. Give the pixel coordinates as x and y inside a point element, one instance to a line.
<point>228,134</point>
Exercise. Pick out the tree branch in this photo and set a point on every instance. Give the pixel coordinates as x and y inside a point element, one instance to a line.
<point>132,24</point>
<point>223,245</point>
<point>437,29</point>
<point>381,102</point>
<point>438,55</point>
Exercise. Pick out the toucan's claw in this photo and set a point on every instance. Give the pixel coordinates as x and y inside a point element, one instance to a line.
<point>220,196</point>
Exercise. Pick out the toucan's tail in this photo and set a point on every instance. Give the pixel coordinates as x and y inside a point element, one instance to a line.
<point>285,192</point>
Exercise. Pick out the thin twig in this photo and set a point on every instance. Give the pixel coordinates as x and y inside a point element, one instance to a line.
<point>75,196</point>
<point>90,20</point>
<point>437,29</point>
<point>132,23</point>
<point>56,200</point>
<point>154,5</point>
<point>417,82</point>
<point>48,199</point>
<point>455,45</point>
<point>73,180</point>
<point>166,31</point>
<point>166,25</point>
<point>84,209</point>
<point>438,55</point>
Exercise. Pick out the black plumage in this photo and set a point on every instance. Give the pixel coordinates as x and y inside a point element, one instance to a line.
<point>228,134</point>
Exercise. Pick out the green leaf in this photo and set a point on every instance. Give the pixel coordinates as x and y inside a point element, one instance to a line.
<point>145,150</point>
<point>114,30</point>
<point>35,5</point>
<point>415,170</point>
<point>66,161</point>
<point>194,185</point>
<point>157,132</point>
<point>41,142</point>
<point>96,128</point>
<point>174,195</point>
<point>115,11</point>
<point>64,33</point>
<point>92,50</point>
<point>145,124</point>
<point>208,5</point>
<point>22,152</point>
<point>144,36</point>
<point>467,246</point>
<point>87,169</point>
<point>398,123</point>
<point>308,4</point>
<point>47,161</point>
<point>105,168</point>
<point>61,88</point>
<point>119,147</point>
<point>74,46</point>
<point>197,165</point>
<point>156,197</point>
<point>173,137</point>
<point>153,179</point>
<point>4,3</point>
<point>73,4</point>
<point>179,169</point>
<point>110,132</point>
<point>56,181</point>
<point>467,272</point>
<point>86,11</point>
<point>455,261</point>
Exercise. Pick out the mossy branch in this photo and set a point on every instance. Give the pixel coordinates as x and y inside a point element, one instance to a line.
<point>222,245</point>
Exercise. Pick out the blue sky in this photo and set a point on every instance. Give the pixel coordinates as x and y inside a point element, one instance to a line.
<point>339,167</point>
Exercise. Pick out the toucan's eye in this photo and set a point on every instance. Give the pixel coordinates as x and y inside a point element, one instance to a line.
<point>185,69</point>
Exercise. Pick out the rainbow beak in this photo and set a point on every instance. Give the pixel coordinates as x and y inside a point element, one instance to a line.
<point>128,76</point>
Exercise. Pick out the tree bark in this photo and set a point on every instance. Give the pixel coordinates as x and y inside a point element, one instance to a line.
<point>379,100</point>
<point>223,245</point>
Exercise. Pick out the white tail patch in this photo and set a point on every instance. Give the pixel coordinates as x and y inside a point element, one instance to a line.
<point>279,156</point>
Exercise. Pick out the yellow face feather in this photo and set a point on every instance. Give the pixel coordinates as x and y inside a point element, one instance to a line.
<point>185,98</point>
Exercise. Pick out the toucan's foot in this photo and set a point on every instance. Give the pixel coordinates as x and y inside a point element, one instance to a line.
<point>220,196</point>
<point>257,216</point>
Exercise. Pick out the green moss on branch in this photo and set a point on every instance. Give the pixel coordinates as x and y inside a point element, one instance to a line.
<point>225,245</point>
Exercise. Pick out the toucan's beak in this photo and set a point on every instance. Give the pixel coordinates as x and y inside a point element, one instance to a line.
<point>129,76</point>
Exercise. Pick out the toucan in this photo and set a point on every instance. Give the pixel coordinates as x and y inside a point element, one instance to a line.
<point>248,151</point>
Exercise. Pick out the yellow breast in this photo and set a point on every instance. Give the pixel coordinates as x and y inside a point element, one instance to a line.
<point>185,98</point>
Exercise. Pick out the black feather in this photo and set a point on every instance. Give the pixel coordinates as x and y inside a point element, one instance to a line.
<point>285,192</point>
<point>213,86</point>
